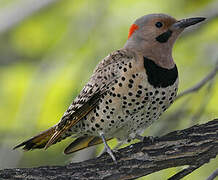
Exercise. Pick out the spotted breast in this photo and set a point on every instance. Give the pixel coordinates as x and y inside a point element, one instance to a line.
<point>135,100</point>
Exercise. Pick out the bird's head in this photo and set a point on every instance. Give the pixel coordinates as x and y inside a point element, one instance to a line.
<point>154,34</point>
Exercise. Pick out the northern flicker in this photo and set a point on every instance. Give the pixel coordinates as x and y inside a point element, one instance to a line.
<point>128,91</point>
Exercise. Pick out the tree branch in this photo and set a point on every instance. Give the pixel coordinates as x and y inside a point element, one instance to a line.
<point>213,175</point>
<point>193,146</point>
<point>199,85</point>
<point>184,173</point>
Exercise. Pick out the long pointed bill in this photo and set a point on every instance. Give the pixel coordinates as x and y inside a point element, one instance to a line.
<point>181,24</point>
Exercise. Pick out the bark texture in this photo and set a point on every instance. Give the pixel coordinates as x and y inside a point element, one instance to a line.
<point>193,146</point>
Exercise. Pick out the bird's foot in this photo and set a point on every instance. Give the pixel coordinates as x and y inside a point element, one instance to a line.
<point>147,139</point>
<point>107,148</point>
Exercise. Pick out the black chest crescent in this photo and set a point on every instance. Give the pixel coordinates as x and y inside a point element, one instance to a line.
<point>158,76</point>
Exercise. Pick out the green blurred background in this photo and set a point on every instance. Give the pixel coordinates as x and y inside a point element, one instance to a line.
<point>49,48</point>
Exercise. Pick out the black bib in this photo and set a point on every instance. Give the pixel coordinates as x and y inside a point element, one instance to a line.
<point>158,76</point>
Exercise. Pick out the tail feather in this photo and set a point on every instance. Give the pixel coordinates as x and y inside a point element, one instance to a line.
<point>41,140</point>
<point>37,142</point>
<point>81,143</point>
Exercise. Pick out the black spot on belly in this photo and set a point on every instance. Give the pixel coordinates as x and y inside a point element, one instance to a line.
<point>158,76</point>
<point>164,37</point>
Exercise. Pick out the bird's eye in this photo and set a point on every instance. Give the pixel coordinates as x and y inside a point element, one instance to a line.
<point>159,24</point>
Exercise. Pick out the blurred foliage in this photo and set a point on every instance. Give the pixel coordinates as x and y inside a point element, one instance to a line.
<point>47,58</point>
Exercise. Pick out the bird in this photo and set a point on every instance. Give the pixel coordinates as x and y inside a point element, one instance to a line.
<point>127,92</point>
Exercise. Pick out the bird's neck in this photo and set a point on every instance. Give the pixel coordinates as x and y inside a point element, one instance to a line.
<point>159,53</point>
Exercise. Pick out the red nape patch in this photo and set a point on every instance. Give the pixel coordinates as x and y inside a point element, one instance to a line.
<point>132,30</point>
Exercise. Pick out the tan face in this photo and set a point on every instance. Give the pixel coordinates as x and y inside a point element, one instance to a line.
<point>151,27</point>
<point>153,36</point>
<point>160,28</point>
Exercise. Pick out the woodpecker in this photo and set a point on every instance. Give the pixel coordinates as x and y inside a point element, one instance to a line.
<point>128,90</point>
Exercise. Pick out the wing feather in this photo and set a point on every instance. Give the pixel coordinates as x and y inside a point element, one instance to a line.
<point>103,77</point>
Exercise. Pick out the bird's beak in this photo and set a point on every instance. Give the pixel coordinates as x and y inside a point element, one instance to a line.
<point>181,24</point>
